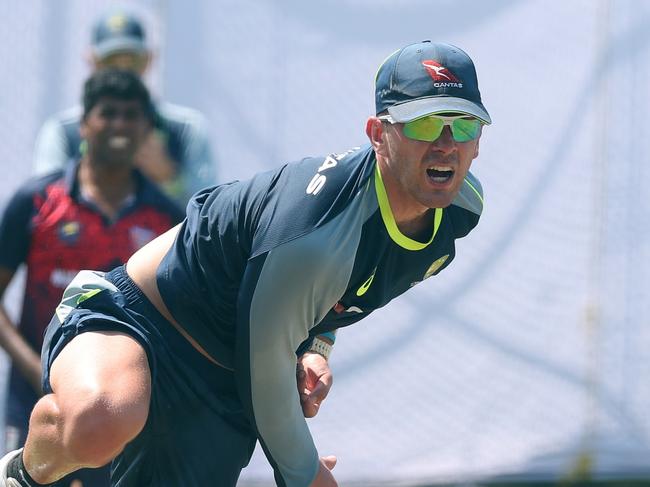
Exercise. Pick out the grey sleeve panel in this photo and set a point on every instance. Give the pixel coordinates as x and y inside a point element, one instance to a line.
<point>470,196</point>
<point>198,171</point>
<point>300,282</point>
<point>50,150</point>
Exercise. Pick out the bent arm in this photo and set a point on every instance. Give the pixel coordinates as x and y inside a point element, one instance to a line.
<point>271,325</point>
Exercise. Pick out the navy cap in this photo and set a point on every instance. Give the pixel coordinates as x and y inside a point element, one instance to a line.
<point>426,78</point>
<point>118,32</point>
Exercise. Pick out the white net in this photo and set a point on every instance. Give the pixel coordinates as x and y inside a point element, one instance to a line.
<point>527,358</point>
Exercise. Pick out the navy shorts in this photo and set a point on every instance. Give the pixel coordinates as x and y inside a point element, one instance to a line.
<point>196,433</point>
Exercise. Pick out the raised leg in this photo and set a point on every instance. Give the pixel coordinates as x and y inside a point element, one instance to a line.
<point>101,386</point>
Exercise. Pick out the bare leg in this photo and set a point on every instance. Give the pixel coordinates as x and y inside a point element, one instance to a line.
<point>102,386</point>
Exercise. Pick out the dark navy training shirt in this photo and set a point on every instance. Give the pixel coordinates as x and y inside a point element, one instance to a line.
<point>260,266</point>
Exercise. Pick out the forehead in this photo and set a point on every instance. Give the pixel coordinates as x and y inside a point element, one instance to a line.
<point>116,103</point>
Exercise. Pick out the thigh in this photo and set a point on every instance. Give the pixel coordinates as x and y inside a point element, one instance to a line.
<point>111,362</point>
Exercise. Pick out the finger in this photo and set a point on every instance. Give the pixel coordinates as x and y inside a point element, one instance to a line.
<point>309,408</point>
<point>329,461</point>
<point>301,378</point>
<point>320,391</point>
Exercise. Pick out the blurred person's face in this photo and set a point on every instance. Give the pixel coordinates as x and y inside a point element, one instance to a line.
<point>114,129</point>
<point>131,61</point>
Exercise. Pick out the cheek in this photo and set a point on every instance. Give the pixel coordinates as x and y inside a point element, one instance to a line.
<point>144,132</point>
<point>411,150</point>
<point>84,128</point>
<point>468,151</point>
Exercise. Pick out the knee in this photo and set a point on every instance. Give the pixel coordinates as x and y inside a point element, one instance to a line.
<point>97,426</point>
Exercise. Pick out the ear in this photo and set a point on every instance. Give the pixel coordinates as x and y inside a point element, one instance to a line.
<point>83,129</point>
<point>376,134</point>
<point>91,59</point>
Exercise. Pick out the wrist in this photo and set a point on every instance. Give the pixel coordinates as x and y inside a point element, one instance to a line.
<point>321,347</point>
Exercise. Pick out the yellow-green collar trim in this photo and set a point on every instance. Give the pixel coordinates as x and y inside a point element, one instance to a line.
<point>389,221</point>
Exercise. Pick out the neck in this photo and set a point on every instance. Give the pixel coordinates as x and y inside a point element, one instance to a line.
<point>107,186</point>
<point>412,219</point>
<point>418,228</point>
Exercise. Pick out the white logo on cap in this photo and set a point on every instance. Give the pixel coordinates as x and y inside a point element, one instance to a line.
<point>442,77</point>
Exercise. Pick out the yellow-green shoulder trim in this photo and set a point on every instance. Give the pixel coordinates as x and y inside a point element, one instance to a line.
<point>88,295</point>
<point>389,221</point>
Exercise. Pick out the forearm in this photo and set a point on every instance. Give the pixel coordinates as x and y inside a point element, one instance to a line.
<point>23,356</point>
<point>281,426</point>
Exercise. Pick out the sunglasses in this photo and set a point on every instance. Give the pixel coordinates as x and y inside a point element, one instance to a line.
<point>130,61</point>
<point>429,128</point>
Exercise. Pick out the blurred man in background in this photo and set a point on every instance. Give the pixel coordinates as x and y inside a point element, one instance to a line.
<point>176,154</point>
<point>93,213</point>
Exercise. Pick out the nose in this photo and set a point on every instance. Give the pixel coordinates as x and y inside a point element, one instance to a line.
<point>120,121</point>
<point>445,143</point>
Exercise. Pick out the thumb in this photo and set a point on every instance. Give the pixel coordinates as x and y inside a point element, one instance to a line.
<point>329,461</point>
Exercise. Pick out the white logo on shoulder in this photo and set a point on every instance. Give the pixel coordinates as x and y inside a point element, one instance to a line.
<point>62,277</point>
<point>318,181</point>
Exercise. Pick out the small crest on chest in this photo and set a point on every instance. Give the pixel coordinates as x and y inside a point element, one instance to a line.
<point>69,232</point>
<point>433,268</point>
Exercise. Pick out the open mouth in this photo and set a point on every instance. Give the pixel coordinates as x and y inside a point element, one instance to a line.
<point>119,142</point>
<point>440,174</point>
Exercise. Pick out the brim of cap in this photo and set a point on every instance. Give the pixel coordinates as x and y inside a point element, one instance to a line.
<point>414,109</point>
<point>113,46</point>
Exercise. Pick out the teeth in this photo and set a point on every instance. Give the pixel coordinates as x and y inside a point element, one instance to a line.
<point>440,174</point>
<point>118,142</point>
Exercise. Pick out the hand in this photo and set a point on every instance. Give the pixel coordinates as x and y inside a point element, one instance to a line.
<point>314,379</point>
<point>324,477</point>
<point>152,159</point>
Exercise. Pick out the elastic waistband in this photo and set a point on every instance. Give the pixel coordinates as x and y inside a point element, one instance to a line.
<point>135,298</point>
<point>133,295</point>
<point>129,289</point>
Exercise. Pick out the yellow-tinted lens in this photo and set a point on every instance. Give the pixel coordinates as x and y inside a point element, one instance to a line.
<point>426,129</point>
